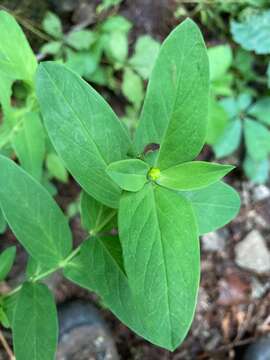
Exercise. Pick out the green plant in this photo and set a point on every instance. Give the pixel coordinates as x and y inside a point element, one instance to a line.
<point>22,133</point>
<point>150,189</point>
<point>248,120</point>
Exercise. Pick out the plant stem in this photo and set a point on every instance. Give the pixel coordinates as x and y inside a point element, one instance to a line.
<point>6,346</point>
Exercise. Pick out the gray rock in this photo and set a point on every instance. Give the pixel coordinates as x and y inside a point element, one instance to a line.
<point>215,241</point>
<point>261,192</point>
<point>252,253</point>
<point>260,350</point>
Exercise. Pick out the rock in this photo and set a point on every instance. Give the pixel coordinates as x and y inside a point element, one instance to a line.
<point>215,241</point>
<point>258,289</point>
<point>83,334</point>
<point>261,192</point>
<point>252,253</point>
<point>260,350</point>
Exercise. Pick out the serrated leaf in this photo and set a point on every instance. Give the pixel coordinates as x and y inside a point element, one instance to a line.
<point>56,167</point>
<point>117,46</point>
<point>254,32</point>
<point>29,144</point>
<point>214,206</point>
<point>95,216</point>
<point>18,62</point>
<point>7,258</point>
<point>192,175</point>
<point>230,140</point>
<point>174,114</point>
<point>145,55</point>
<point>132,87</point>
<point>256,171</point>
<point>81,39</point>
<point>130,174</point>
<point>257,139</point>
<point>220,60</point>
<point>52,25</point>
<point>158,254</point>
<point>217,121</point>
<point>77,118</point>
<point>261,110</point>
<point>33,216</point>
<point>35,325</point>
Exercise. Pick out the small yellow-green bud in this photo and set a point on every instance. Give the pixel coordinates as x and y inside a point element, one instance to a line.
<point>154,174</point>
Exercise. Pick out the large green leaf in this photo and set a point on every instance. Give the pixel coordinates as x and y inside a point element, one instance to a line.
<point>5,92</point>
<point>193,175</point>
<point>214,206</point>
<point>254,32</point>
<point>257,139</point>
<point>83,128</point>
<point>29,144</point>
<point>98,267</point>
<point>33,216</point>
<point>35,326</point>
<point>7,258</point>
<point>95,216</point>
<point>2,222</point>
<point>130,174</point>
<point>17,60</point>
<point>159,252</point>
<point>175,109</point>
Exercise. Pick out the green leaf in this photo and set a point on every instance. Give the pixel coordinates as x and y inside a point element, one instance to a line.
<point>52,25</point>
<point>81,39</point>
<point>77,118</point>
<point>3,223</point>
<point>7,258</point>
<point>159,253</point>
<point>35,325</point>
<point>217,121</point>
<point>51,48</point>
<point>192,175</point>
<point>230,140</point>
<point>145,55</point>
<point>261,110</point>
<point>106,4</point>
<point>83,62</point>
<point>5,92</point>
<point>130,175</point>
<point>214,206</point>
<point>257,139</point>
<point>254,32</point>
<point>174,114</point>
<point>117,46</point>
<point>256,171</point>
<point>116,23</point>
<point>98,267</point>
<point>132,87</point>
<point>29,144</point>
<point>220,60</point>
<point>18,62</point>
<point>56,167</point>
<point>95,216</point>
<point>33,216</point>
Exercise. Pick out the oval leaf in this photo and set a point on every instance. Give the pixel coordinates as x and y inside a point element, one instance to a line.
<point>33,216</point>
<point>35,326</point>
<point>193,175</point>
<point>159,253</point>
<point>83,129</point>
<point>174,114</point>
<point>130,175</point>
<point>214,206</point>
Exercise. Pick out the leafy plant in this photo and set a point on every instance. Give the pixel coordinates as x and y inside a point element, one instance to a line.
<point>21,130</point>
<point>148,275</point>
<point>249,120</point>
